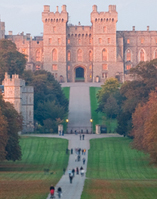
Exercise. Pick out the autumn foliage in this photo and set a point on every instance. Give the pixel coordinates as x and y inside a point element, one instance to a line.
<point>144,130</point>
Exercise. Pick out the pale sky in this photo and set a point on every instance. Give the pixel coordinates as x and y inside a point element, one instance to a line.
<point>25,15</point>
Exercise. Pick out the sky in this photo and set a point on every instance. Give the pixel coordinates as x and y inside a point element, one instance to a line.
<point>25,16</point>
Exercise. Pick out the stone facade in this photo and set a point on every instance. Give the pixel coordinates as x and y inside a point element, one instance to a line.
<point>2,30</point>
<point>86,53</point>
<point>22,97</point>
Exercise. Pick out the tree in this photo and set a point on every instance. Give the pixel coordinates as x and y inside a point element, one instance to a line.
<point>135,92</point>
<point>111,86</point>
<point>11,60</point>
<point>11,124</point>
<point>145,128</point>
<point>50,103</point>
<point>3,136</point>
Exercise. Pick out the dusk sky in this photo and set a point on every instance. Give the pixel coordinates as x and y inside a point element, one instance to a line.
<point>25,16</point>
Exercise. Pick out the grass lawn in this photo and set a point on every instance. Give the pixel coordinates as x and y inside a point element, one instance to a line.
<point>26,179</point>
<point>116,171</point>
<point>98,117</point>
<point>66,91</point>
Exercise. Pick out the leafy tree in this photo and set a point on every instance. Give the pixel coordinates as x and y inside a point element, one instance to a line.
<point>111,107</point>
<point>12,124</point>
<point>11,60</point>
<point>3,136</point>
<point>50,103</point>
<point>135,92</point>
<point>145,127</point>
<point>111,86</point>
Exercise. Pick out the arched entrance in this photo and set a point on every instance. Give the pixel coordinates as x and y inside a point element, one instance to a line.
<point>79,74</point>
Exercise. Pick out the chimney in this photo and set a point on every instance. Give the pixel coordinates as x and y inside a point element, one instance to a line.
<point>147,28</point>
<point>56,8</point>
<point>63,8</point>
<point>133,28</point>
<point>10,32</point>
<point>94,8</point>
<point>46,8</point>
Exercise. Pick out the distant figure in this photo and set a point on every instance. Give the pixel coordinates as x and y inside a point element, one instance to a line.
<point>80,137</point>
<point>82,151</point>
<point>59,191</point>
<point>77,171</point>
<point>73,172</point>
<point>63,133</point>
<point>63,170</point>
<point>71,178</point>
<point>83,136</point>
<point>52,191</point>
<point>69,172</point>
<point>84,160</point>
<point>71,151</point>
<point>67,151</point>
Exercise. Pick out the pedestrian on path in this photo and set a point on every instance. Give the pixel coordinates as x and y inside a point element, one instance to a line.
<point>52,190</point>
<point>80,137</point>
<point>82,171</point>
<point>77,170</point>
<point>71,178</point>
<point>71,151</point>
<point>83,136</point>
<point>82,151</point>
<point>63,170</point>
<point>69,172</point>
<point>84,160</point>
<point>67,151</point>
<point>73,172</point>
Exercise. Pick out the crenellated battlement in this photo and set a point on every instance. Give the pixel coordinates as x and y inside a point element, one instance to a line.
<point>14,81</point>
<point>107,17</point>
<point>54,17</point>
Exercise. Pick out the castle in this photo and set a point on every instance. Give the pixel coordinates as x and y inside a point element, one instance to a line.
<point>22,97</point>
<point>85,53</point>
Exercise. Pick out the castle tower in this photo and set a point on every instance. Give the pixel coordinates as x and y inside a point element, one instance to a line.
<point>104,42</point>
<point>2,30</point>
<point>22,98</point>
<point>54,41</point>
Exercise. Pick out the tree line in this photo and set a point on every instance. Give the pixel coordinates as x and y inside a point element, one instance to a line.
<point>133,104</point>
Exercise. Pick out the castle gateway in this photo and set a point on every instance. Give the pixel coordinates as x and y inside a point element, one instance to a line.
<point>85,53</point>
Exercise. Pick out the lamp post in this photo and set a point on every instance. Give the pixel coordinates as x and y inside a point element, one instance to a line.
<point>91,120</point>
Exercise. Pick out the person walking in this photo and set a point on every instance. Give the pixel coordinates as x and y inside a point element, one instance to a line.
<point>83,136</point>
<point>77,170</point>
<point>59,191</point>
<point>80,137</point>
<point>71,178</point>
<point>69,172</point>
<point>84,160</point>
<point>82,151</point>
<point>52,191</point>
<point>73,172</point>
<point>64,171</point>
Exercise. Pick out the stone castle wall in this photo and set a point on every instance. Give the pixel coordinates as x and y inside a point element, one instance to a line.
<point>100,50</point>
<point>22,97</point>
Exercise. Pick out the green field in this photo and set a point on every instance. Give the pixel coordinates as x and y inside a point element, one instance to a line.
<point>66,91</point>
<point>26,179</point>
<point>115,171</point>
<point>100,118</point>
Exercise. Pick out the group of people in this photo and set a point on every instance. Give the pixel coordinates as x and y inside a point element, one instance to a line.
<point>73,171</point>
<point>82,137</point>
<point>52,191</point>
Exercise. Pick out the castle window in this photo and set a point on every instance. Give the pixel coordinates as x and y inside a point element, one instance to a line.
<point>112,19</point>
<point>109,40</point>
<point>142,55</point>
<point>128,55</point>
<point>128,41</point>
<point>54,55</point>
<point>54,67</point>
<point>79,55</point>
<point>59,41</point>
<point>90,67</point>
<point>50,40</point>
<point>68,41</point>
<point>104,67</point>
<point>45,20</point>
<point>103,75</point>
<point>142,40</point>
<point>38,55</point>
<point>69,56</point>
<point>104,55</point>
<point>37,67</point>
<point>37,42</point>
<point>79,41</point>
<point>68,67</point>
<point>24,51</point>
<point>105,29</point>
<point>90,56</point>
<point>100,41</point>
<point>54,28</point>
<point>128,66</point>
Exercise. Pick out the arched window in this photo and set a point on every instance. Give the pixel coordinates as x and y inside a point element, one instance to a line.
<point>54,55</point>
<point>142,55</point>
<point>79,55</point>
<point>69,56</point>
<point>90,56</point>
<point>128,55</point>
<point>38,55</point>
<point>155,54</point>
<point>104,55</point>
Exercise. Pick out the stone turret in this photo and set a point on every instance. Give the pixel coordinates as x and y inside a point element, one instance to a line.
<point>22,98</point>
